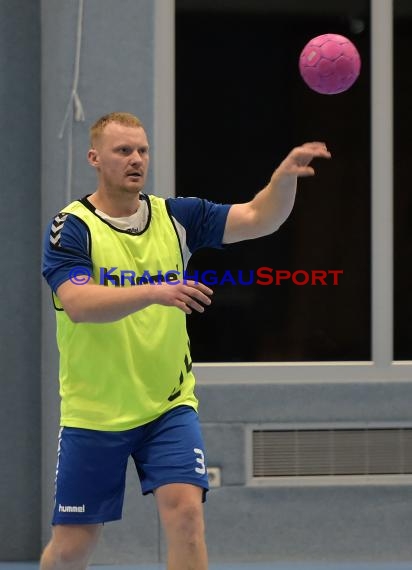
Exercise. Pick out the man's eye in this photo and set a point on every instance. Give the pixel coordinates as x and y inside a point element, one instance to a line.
<point>125,150</point>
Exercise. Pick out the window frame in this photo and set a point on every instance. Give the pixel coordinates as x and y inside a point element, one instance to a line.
<point>382,366</point>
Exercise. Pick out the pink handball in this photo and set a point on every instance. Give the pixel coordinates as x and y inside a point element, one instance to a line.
<point>329,64</point>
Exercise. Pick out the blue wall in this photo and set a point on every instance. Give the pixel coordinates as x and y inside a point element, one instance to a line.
<point>20,286</point>
<point>289,522</point>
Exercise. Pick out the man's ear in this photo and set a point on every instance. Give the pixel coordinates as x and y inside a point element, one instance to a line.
<point>93,157</point>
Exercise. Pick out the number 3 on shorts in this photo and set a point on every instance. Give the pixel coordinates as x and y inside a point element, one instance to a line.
<point>201,460</point>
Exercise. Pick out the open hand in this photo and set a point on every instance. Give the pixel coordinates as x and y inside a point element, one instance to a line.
<point>185,295</point>
<point>297,163</point>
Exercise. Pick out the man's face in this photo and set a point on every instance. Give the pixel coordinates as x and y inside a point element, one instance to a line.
<point>121,158</point>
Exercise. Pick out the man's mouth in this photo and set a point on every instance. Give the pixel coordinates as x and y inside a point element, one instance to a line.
<point>134,175</point>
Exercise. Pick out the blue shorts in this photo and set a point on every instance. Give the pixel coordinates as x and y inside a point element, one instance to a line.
<point>91,465</point>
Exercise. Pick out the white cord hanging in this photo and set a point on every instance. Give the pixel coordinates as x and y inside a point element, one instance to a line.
<point>74,106</point>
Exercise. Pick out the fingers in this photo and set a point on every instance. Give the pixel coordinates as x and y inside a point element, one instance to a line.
<point>200,287</point>
<point>298,161</point>
<point>315,144</point>
<point>188,296</point>
<point>194,296</point>
<point>305,171</point>
<point>313,149</point>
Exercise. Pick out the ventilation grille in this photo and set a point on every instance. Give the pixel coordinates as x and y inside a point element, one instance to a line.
<point>283,453</point>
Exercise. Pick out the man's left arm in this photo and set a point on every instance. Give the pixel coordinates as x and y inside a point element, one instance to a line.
<point>271,206</point>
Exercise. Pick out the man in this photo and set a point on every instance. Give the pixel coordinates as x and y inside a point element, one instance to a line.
<point>115,261</point>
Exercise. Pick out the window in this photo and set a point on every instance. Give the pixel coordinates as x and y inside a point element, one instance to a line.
<point>403,196</point>
<point>240,107</point>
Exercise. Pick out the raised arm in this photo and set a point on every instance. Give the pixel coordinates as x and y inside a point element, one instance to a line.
<point>271,206</point>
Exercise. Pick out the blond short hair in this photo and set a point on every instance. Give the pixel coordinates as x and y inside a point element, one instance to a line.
<point>126,119</point>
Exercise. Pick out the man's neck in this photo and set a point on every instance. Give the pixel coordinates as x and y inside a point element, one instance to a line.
<point>120,207</point>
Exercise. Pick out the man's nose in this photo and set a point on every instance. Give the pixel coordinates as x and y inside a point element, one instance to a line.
<point>135,157</point>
